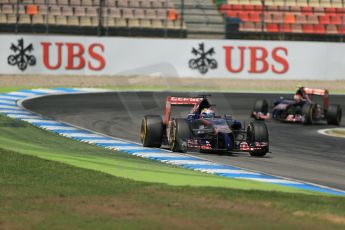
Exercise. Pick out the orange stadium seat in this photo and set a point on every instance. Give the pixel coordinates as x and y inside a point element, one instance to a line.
<point>289,18</point>
<point>255,17</point>
<point>32,9</point>
<point>243,16</point>
<point>172,15</point>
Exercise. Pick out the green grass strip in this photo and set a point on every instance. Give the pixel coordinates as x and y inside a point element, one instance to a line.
<point>40,194</point>
<point>24,138</point>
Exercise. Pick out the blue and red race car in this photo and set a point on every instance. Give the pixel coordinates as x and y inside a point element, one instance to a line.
<point>202,131</point>
<point>303,108</point>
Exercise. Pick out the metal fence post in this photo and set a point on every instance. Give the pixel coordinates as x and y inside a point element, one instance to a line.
<point>182,18</point>
<point>17,17</point>
<point>99,29</point>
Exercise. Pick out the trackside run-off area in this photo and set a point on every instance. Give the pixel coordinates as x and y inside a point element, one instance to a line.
<point>10,105</point>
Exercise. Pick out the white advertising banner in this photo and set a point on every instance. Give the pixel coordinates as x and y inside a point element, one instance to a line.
<point>232,59</point>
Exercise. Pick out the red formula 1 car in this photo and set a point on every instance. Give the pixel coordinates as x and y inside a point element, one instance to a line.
<point>307,106</point>
<point>201,129</point>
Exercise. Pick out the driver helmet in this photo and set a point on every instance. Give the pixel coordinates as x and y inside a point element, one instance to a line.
<point>298,97</point>
<point>207,113</point>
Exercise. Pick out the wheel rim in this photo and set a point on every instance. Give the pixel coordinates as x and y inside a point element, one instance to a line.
<point>172,135</point>
<point>143,131</point>
<point>250,133</point>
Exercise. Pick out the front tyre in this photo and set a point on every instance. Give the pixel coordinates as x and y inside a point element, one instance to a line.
<point>334,114</point>
<point>257,132</point>
<point>179,135</point>
<point>260,106</point>
<point>307,114</point>
<point>151,131</point>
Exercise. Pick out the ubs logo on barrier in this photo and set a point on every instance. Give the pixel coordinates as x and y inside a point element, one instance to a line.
<point>203,61</point>
<point>21,56</point>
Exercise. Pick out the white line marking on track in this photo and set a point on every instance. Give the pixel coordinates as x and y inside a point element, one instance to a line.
<point>9,107</point>
<point>13,98</point>
<point>33,120</point>
<point>47,91</point>
<point>57,127</point>
<point>7,102</point>
<point>270,180</point>
<point>105,141</point>
<point>14,111</point>
<point>155,154</point>
<point>189,162</point>
<point>124,147</point>
<point>19,116</point>
<point>80,135</point>
<point>27,94</point>
<point>233,171</point>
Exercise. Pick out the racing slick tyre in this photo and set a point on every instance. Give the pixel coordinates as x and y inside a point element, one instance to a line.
<point>179,135</point>
<point>260,106</point>
<point>307,114</point>
<point>151,131</point>
<point>333,115</point>
<point>257,132</point>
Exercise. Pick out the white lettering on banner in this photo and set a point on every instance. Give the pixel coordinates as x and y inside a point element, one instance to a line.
<point>232,59</point>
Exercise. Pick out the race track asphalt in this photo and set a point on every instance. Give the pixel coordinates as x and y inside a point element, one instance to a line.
<point>297,151</point>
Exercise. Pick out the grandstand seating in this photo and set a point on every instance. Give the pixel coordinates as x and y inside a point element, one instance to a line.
<point>143,14</point>
<point>322,17</point>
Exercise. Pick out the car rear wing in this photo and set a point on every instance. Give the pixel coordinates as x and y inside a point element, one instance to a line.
<point>319,92</point>
<point>193,101</point>
<point>183,100</point>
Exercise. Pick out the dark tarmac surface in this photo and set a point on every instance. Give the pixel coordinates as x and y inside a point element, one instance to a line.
<point>297,151</point>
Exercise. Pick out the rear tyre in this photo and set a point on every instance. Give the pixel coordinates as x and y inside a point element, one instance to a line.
<point>179,135</point>
<point>260,106</point>
<point>334,114</point>
<point>257,132</point>
<point>151,131</point>
<point>307,114</point>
